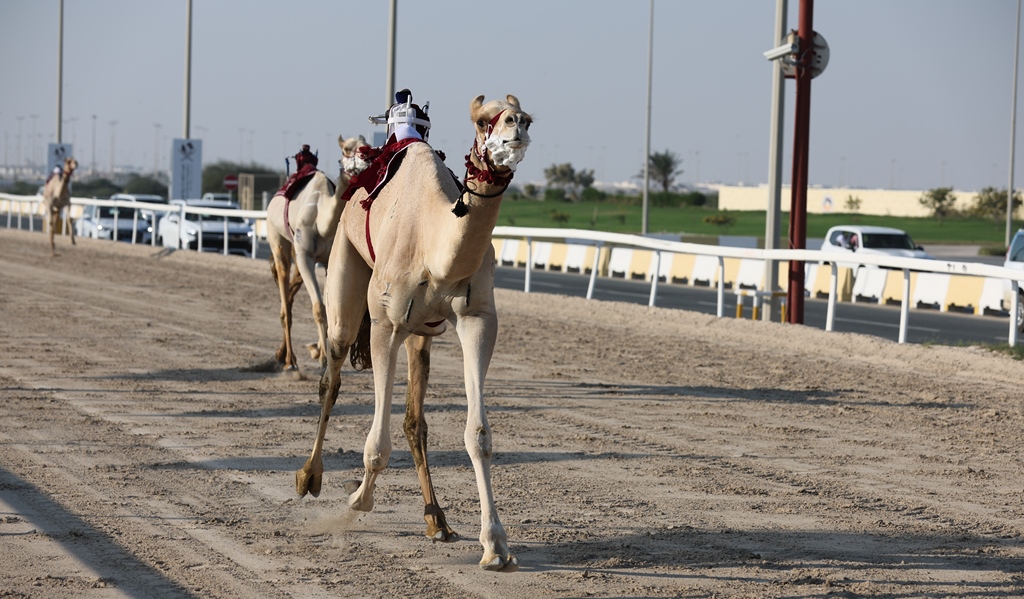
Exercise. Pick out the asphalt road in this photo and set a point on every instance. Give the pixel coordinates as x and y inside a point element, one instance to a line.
<point>924,325</point>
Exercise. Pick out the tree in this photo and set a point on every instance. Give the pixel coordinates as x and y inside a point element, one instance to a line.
<point>941,201</point>
<point>991,203</point>
<point>852,203</point>
<point>145,185</point>
<point>565,177</point>
<point>213,174</point>
<point>663,167</point>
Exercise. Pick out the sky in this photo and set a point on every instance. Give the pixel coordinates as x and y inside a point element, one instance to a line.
<point>917,94</point>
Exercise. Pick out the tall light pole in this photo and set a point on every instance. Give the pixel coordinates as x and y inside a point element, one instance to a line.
<point>93,170</point>
<point>60,72</point>
<point>113,133</point>
<point>188,71</point>
<point>156,148</point>
<point>392,17</point>
<point>1013,131</point>
<point>32,160</point>
<point>775,146</point>
<point>647,137</point>
<point>20,118</point>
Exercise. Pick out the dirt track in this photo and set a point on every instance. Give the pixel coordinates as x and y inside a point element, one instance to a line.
<point>146,450</point>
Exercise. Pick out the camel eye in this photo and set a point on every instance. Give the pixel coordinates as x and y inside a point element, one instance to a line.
<point>509,120</point>
<point>480,123</point>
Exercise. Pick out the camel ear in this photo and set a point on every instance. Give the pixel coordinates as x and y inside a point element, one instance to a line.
<point>514,101</point>
<point>475,105</point>
<point>341,141</point>
<point>362,140</point>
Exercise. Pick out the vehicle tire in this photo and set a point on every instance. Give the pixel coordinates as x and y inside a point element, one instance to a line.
<point>1020,311</point>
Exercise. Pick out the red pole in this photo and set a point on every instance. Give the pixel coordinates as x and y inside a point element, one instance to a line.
<point>801,143</point>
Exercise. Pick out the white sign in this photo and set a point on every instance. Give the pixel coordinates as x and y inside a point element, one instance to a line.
<point>55,155</point>
<point>186,169</point>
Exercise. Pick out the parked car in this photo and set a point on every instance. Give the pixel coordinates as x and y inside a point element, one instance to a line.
<point>878,241</point>
<point>240,230</point>
<point>142,197</point>
<point>225,197</point>
<point>1015,260</point>
<point>97,222</point>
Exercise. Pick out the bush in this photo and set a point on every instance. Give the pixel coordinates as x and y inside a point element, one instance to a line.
<point>593,195</point>
<point>722,219</point>
<point>560,217</point>
<point>554,194</point>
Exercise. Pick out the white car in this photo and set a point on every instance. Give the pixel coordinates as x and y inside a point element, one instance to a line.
<point>111,222</point>
<point>878,241</point>
<point>171,233</point>
<point>1015,260</point>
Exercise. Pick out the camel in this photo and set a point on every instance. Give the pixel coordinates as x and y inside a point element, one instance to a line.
<point>306,236</point>
<point>416,259</point>
<point>57,197</point>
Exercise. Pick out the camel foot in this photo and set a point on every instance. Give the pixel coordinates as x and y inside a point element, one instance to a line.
<point>307,481</point>
<point>499,563</point>
<point>314,350</point>
<point>351,485</point>
<point>362,499</point>
<point>443,536</point>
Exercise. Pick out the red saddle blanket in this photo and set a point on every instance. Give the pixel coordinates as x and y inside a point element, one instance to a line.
<point>384,163</point>
<point>296,181</point>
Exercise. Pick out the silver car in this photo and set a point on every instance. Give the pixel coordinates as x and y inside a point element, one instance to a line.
<point>173,234</point>
<point>111,222</point>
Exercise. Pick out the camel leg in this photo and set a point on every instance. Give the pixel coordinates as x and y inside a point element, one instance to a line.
<point>281,267</point>
<point>346,287</point>
<point>384,344</point>
<point>306,265</point>
<point>418,350</point>
<point>71,225</point>
<point>51,223</point>
<point>477,328</point>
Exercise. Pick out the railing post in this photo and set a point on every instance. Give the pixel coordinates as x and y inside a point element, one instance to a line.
<point>113,234</point>
<point>135,225</point>
<point>529,264</point>
<point>721,286</point>
<point>654,279</point>
<point>181,227</point>
<point>905,306</point>
<point>225,236</point>
<point>593,269</point>
<point>1014,306</point>
<point>832,288</point>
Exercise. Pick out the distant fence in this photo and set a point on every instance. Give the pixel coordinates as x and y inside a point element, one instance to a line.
<point>970,286</point>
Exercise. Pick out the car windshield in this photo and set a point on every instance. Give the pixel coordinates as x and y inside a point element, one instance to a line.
<point>110,211</point>
<point>888,241</point>
<point>207,218</point>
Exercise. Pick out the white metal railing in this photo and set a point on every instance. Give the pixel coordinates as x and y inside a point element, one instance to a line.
<point>29,206</point>
<point>601,239</point>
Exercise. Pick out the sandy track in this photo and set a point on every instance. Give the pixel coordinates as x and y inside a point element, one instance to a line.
<point>640,452</point>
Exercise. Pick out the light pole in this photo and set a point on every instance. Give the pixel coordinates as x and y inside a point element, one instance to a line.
<point>32,158</point>
<point>1013,131</point>
<point>392,18</point>
<point>647,137</point>
<point>93,170</point>
<point>113,133</point>
<point>156,148</point>
<point>19,141</point>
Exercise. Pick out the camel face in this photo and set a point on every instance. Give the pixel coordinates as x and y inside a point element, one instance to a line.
<point>70,164</point>
<point>352,161</point>
<point>502,129</point>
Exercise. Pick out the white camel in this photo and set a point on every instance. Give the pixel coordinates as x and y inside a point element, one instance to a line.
<point>306,236</point>
<point>413,266</point>
<point>57,197</point>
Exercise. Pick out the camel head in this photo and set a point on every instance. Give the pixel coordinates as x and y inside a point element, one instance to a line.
<point>352,162</point>
<point>70,164</point>
<point>502,130</point>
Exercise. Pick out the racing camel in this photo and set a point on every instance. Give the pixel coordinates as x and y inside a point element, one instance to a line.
<point>305,233</point>
<point>57,197</point>
<point>417,258</point>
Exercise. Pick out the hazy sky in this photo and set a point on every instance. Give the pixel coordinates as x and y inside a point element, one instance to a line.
<point>917,93</point>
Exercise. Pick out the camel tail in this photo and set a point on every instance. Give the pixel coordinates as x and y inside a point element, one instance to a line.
<point>359,353</point>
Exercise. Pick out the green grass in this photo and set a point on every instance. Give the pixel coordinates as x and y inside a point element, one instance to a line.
<point>622,218</point>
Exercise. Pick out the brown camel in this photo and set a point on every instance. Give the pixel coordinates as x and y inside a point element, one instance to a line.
<point>418,258</point>
<point>57,197</point>
<point>306,236</point>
